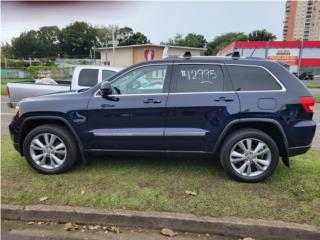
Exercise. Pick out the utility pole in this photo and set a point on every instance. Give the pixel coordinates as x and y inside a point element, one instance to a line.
<point>6,66</point>
<point>114,43</point>
<point>299,60</point>
<point>113,46</point>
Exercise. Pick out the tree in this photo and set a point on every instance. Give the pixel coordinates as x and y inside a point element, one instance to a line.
<point>191,40</point>
<point>77,39</point>
<point>6,50</point>
<point>127,36</point>
<point>223,40</point>
<point>103,35</point>
<point>177,40</point>
<point>48,37</point>
<point>195,40</point>
<point>261,35</point>
<point>27,45</point>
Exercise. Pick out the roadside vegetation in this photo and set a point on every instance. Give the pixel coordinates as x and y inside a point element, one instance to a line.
<point>317,98</point>
<point>156,183</point>
<point>312,85</point>
<point>3,91</point>
<point>4,82</point>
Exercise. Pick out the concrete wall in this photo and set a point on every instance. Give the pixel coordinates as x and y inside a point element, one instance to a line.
<point>123,57</point>
<point>138,53</point>
<point>127,56</point>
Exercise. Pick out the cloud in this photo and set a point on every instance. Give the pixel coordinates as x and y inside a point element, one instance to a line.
<point>158,20</point>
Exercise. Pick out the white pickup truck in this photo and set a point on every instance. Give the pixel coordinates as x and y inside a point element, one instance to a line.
<point>83,77</point>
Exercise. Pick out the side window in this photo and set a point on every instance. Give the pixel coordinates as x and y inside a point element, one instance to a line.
<point>199,78</point>
<point>106,74</point>
<point>144,80</point>
<point>88,77</point>
<point>246,78</point>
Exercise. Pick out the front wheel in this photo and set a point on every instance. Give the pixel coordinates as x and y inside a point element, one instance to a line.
<point>50,149</point>
<point>249,155</point>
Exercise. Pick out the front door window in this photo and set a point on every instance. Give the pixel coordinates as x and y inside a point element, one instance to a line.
<point>144,80</point>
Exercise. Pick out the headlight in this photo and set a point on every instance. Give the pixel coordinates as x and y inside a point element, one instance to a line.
<point>17,109</point>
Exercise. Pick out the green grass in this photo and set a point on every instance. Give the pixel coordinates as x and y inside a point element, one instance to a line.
<point>4,81</point>
<point>312,85</point>
<point>3,90</point>
<point>160,184</point>
<point>317,98</point>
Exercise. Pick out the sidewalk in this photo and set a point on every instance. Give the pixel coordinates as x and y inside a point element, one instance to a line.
<point>22,230</point>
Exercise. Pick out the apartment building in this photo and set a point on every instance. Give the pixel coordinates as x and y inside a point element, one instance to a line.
<point>302,20</point>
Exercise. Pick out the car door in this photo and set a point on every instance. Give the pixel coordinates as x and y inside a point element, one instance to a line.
<point>132,118</point>
<point>200,104</point>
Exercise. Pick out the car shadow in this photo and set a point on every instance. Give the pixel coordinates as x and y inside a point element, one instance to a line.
<point>149,161</point>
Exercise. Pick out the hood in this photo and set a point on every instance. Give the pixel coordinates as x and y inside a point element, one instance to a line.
<point>57,102</point>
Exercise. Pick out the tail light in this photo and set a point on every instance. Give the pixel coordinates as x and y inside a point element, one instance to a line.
<point>307,103</point>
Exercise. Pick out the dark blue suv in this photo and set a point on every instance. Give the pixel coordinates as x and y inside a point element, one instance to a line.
<point>245,112</point>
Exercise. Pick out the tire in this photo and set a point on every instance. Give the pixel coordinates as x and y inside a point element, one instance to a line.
<point>260,164</point>
<point>40,155</point>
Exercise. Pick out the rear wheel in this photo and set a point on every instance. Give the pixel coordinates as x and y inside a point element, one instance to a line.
<point>50,149</point>
<point>249,155</point>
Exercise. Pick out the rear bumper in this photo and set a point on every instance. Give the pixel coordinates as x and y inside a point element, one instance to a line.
<point>298,150</point>
<point>300,136</point>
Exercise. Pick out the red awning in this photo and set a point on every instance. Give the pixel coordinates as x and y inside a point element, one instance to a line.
<point>310,62</point>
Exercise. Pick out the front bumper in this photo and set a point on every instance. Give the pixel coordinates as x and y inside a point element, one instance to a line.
<point>10,105</point>
<point>14,133</point>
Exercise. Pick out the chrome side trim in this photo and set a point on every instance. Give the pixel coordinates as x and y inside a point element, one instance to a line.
<point>127,95</point>
<point>198,63</point>
<point>283,88</point>
<point>128,132</point>
<point>185,132</point>
<point>149,132</point>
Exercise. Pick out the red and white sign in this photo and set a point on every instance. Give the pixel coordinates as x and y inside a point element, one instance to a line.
<point>149,54</point>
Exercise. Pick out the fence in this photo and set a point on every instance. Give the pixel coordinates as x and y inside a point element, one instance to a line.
<point>15,73</point>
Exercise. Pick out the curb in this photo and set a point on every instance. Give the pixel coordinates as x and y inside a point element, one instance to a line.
<point>231,226</point>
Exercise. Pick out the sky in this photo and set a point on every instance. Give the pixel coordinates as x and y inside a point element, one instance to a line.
<point>158,20</point>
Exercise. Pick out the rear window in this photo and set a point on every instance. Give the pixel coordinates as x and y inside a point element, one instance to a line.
<point>88,77</point>
<point>246,78</point>
<point>106,74</point>
<point>199,78</point>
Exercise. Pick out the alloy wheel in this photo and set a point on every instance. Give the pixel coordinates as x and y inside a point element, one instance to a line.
<point>48,151</point>
<point>250,157</point>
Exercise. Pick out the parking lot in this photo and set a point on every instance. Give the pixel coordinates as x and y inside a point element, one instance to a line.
<point>7,114</point>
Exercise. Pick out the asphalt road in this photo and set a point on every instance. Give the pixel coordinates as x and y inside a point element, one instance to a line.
<point>20,230</point>
<point>8,113</point>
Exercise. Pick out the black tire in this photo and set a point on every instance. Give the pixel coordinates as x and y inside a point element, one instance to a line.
<point>239,135</point>
<point>64,135</point>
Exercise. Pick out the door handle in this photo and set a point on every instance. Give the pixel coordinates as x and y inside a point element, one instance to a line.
<point>151,100</point>
<point>223,99</point>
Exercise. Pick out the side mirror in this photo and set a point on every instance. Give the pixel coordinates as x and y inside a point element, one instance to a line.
<point>106,89</point>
